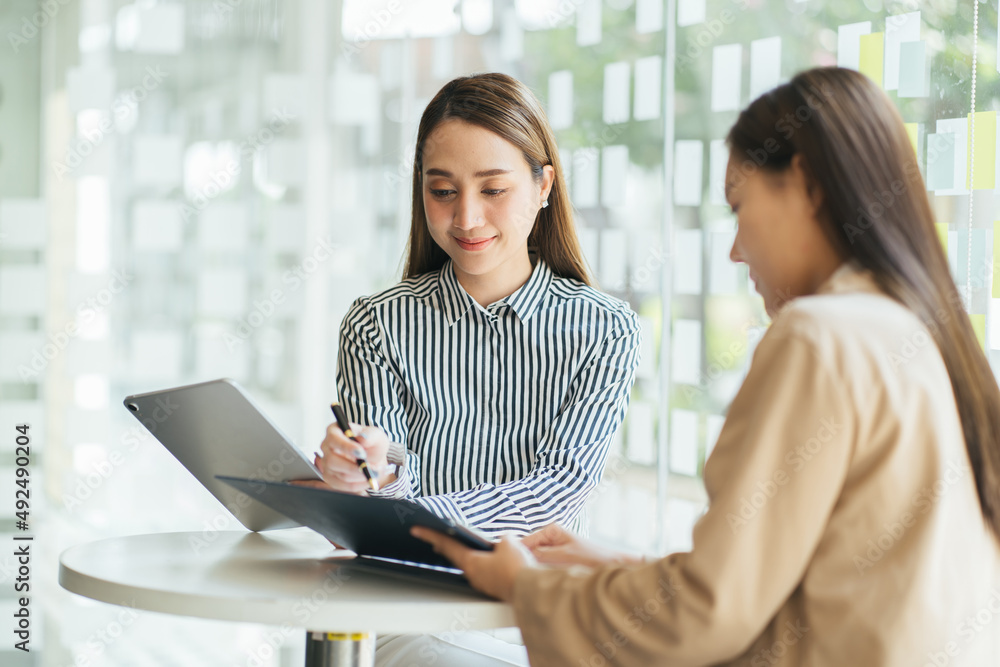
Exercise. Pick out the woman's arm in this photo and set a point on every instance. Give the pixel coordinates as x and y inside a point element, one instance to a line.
<point>773,481</point>
<point>569,458</point>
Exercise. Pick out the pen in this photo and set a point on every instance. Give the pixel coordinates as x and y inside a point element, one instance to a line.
<point>345,426</point>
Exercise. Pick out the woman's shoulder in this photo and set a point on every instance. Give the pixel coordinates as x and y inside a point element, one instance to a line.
<point>569,291</point>
<point>417,288</point>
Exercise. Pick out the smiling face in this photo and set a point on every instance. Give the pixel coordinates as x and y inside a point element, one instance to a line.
<point>481,201</point>
<point>778,235</point>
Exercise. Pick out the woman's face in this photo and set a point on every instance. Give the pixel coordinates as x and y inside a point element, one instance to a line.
<point>778,235</point>
<point>481,201</point>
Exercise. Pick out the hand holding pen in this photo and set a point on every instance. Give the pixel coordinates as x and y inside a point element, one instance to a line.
<point>349,451</point>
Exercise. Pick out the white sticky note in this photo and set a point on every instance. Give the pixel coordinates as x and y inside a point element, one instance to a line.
<point>93,224</point>
<point>157,226</point>
<point>765,65</point>
<point>960,128</point>
<point>684,442</point>
<point>222,292</point>
<point>898,29</point>
<point>22,290</point>
<point>616,92</point>
<point>687,172</point>
<point>511,36</point>
<point>687,261</point>
<point>723,273</point>
<point>614,255</point>
<point>614,174</point>
<point>90,87</point>
<point>156,354</point>
<point>641,433</point>
<point>713,427</point>
<point>718,160</point>
<point>157,160</point>
<point>222,227</point>
<point>354,98</point>
<point>994,320</point>
<point>648,16</point>
<point>685,357</point>
<point>940,161</point>
<point>690,12</point>
<point>161,28</point>
<point>286,162</point>
<point>648,87</point>
<point>585,177</point>
<point>561,99</point>
<point>727,77</point>
<point>588,22</point>
<point>22,223</point>
<point>914,72</point>
<point>286,91</point>
<point>849,43</point>
<point>647,351</point>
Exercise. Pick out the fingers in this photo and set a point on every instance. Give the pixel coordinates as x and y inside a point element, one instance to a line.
<point>550,535</point>
<point>444,545</point>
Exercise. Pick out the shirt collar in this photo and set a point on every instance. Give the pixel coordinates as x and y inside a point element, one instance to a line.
<point>455,302</point>
<point>849,277</point>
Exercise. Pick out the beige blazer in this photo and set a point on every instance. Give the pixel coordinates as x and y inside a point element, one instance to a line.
<point>843,525</point>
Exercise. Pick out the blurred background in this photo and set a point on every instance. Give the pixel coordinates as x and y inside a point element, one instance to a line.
<point>196,189</point>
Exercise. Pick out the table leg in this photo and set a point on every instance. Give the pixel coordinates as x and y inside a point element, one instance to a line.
<point>340,649</point>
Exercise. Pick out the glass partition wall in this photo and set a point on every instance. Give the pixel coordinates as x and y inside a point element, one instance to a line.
<point>198,189</point>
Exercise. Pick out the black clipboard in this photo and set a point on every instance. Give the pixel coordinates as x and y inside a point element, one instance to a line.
<point>376,529</point>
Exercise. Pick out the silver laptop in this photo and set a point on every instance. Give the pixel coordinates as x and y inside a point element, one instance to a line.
<point>215,428</point>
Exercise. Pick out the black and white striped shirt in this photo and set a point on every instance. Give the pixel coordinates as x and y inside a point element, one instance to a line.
<point>504,414</point>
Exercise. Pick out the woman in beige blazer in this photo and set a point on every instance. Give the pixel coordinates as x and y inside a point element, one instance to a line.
<point>854,492</point>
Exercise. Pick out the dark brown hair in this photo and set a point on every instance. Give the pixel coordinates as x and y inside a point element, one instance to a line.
<point>854,147</point>
<point>505,106</point>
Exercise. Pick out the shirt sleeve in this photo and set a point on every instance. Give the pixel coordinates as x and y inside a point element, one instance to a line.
<point>570,457</point>
<point>773,480</point>
<point>371,392</point>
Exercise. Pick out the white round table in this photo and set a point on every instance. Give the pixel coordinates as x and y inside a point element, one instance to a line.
<point>291,578</point>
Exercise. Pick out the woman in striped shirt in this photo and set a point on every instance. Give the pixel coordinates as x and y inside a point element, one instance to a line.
<point>494,376</point>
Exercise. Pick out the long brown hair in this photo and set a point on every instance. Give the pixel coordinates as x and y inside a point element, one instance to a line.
<point>505,106</point>
<point>875,210</point>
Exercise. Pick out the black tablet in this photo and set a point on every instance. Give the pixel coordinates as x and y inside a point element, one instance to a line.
<point>370,527</point>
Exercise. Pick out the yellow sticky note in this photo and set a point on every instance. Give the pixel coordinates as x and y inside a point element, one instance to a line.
<point>913,130</point>
<point>871,56</point>
<point>996,261</point>
<point>979,326</point>
<point>985,158</point>
<point>942,230</point>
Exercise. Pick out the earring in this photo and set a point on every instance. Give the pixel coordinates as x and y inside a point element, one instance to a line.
<point>545,204</point>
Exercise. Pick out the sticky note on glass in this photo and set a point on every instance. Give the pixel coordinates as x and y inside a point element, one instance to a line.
<point>985,155</point>
<point>727,77</point>
<point>849,43</point>
<point>687,172</point>
<point>561,99</point>
<point>690,12</point>
<point>899,29</point>
<point>871,49</point>
<point>614,172</point>
<point>942,232</point>
<point>979,326</point>
<point>687,261</point>
<point>913,131</point>
<point>588,23</point>
<point>718,160</point>
<point>765,65</point>
<point>648,80</point>
<point>649,16</point>
<point>996,263</point>
<point>914,74</point>
<point>616,92</point>
<point>685,358</point>
<point>941,169</point>
<point>684,442</point>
